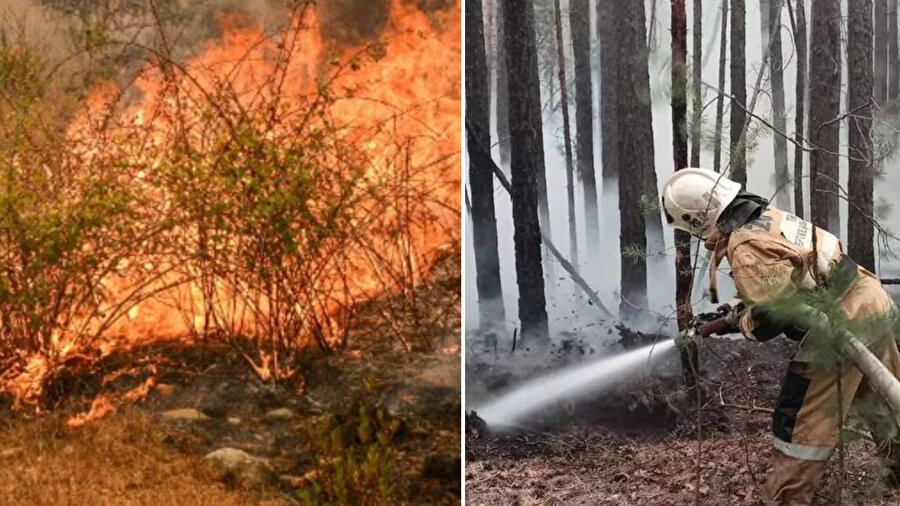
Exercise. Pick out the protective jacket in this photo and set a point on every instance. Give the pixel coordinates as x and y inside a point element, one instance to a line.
<point>771,253</point>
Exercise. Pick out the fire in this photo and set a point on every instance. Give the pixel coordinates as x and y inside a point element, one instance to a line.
<point>398,101</point>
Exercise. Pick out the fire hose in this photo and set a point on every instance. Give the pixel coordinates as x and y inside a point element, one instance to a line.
<point>881,379</point>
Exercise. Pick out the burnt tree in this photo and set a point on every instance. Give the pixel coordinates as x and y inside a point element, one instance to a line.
<point>893,67</point>
<point>696,95</point>
<point>771,16</point>
<point>824,109</point>
<point>484,223</point>
<point>635,151</point>
<point>683,273</point>
<point>567,133</point>
<point>738,154</point>
<point>720,100</point>
<point>526,166</point>
<point>880,87</point>
<point>501,99</point>
<point>798,26</point>
<point>606,30</point>
<point>579,20</point>
<point>860,228</point>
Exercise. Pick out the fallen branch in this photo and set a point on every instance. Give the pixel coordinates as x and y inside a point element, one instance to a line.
<point>754,407</point>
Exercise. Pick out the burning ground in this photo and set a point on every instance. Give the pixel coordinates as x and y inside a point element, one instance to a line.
<point>638,442</point>
<point>205,399</point>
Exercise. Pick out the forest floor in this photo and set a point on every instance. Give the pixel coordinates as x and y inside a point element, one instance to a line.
<point>151,452</point>
<point>639,445</point>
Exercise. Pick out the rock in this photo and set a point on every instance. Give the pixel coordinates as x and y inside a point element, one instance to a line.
<point>233,420</point>
<point>238,468</point>
<point>188,414</point>
<point>279,415</point>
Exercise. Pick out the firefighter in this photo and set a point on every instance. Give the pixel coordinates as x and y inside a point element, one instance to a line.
<point>773,253</point>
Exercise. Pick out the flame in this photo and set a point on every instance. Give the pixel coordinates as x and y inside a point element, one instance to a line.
<point>403,109</point>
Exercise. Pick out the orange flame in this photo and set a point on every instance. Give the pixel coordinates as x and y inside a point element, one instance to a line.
<point>404,110</point>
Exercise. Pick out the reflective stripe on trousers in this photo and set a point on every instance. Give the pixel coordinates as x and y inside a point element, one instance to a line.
<point>802,452</point>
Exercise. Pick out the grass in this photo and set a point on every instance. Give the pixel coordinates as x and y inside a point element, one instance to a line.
<point>124,460</point>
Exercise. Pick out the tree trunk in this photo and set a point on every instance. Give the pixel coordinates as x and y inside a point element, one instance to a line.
<point>526,166</point>
<point>771,16</point>
<point>635,151</point>
<point>881,51</point>
<point>824,109</point>
<point>502,98</point>
<point>893,71</point>
<point>683,273</point>
<point>567,134</point>
<point>697,77</point>
<point>656,244</point>
<point>484,223</point>
<point>490,51</point>
<point>798,22</point>
<point>738,159</point>
<point>579,19</point>
<point>720,100</point>
<point>860,238</point>
<point>606,30</point>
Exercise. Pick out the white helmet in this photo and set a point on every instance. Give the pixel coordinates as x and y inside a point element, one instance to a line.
<point>693,199</point>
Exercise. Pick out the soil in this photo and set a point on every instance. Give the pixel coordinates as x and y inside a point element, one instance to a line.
<point>641,445</point>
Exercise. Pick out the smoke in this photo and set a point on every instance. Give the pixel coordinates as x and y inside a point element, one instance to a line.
<point>115,31</point>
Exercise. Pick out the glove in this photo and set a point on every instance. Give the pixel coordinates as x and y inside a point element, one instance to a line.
<point>731,312</point>
<point>767,327</point>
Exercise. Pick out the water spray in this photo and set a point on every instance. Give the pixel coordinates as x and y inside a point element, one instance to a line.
<point>569,384</point>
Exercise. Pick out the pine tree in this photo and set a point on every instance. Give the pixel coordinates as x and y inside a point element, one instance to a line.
<point>720,100</point>
<point>606,29</point>
<point>567,133</point>
<point>635,150</point>
<point>893,70</point>
<point>771,16</point>
<point>738,92</point>
<point>881,51</point>
<point>526,166</point>
<point>696,81</point>
<point>798,23</point>
<point>824,109</point>
<point>501,100</point>
<point>683,273</point>
<point>859,55</point>
<point>579,18</point>
<point>484,223</point>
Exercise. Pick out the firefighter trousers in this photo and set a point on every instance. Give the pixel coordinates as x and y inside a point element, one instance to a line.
<point>806,426</point>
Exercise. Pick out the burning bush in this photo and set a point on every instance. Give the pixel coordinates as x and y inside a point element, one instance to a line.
<point>254,193</point>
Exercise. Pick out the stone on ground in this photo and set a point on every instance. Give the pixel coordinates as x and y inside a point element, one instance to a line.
<point>187,414</point>
<point>279,415</point>
<point>238,468</point>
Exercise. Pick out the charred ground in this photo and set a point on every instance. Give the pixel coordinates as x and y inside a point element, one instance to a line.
<point>639,444</point>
